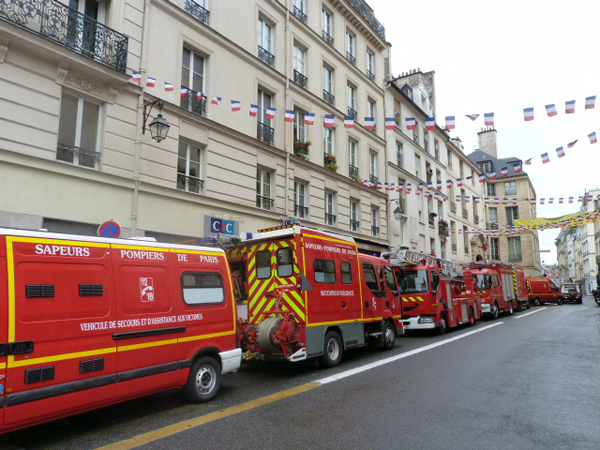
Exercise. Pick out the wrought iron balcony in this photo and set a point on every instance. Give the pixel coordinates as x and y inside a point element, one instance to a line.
<point>330,219</point>
<point>301,149</point>
<point>373,179</point>
<point>350,57</point>
<point>370,75</point>
<point>353,171</point>
<point>299,14</point>
<point>476,218</point>
<point>266,56</point>
<point>191,103</point>
<point>354,225</point>
<point>300,79</point>
<point>265,133</point>
<point>189,184</point>
<point>194,9</point>
<point>69,28</point>
<point>328,97</point>
<point>264,202</point>
<point>77,155</point>
<point>366,11</point>
<point>453,207</point>
<point>328,38</point>
<point>301,211</point>
<point>352,112</point>
<point>374,231</point>
<point>465,213</point>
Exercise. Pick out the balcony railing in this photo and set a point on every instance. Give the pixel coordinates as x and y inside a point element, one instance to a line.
<point>77,155</point>
<point>374,231</point>
<point>266,56</point>
<point>194,9</point>
<point>350,57</point>
<point>301,211</point>
<point>366,11</point>
<point>300,79</point>
<point>301,149</point>
<point>476,218</point>
<point>370,75</point>
<point>465,213</point>
<point>373,179</point>
<point>189,184</point>
<point>328,38</point>
<point>330,219</point>
<point>328,97</point>
<point>299,14</point>
<point>353,171</point>
<point>265,133</point>
<point>191,103</point>
<point>453,207</point>
<point>69,28</point>
<point>354,225</point>
<point>352,112</point>
<point>264,202</point>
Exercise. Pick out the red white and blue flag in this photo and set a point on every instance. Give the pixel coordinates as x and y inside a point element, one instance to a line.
<point>151,82</point>
<point>592,137</point>
<point>235,105</point>
<point>505,201</point>
<point>518,168</point>
<point>528,114</point>
<point>482,177</point>
<point>459,182</point>
<point>590,102</point>
<point>370,123</point>
<point>200,96</point>
<point>309,118</point>
<point>472,116</point>
<point>570,199</point>
<point>439,185</point>
<point>570,106</point>
<point>467,199</point>
<point>390,123</point>
<point>458,199</point>
<point>504,171</point>
<point>545,158</point>
<point>489,119</point>
<point>184,92</point>
<point>270,113</point>
<point>253,110</point>
<point>349,121</point>
<point>528,162</point>
<point>561,200</point>
<point>408,188</point>
<point>487,201</point>
<point>450,123</point>
<point>411,123</point>
<point>136,76</point>
<point>289,115</point>
<point>551,110</point>
<point>560,152</point>
<point>496,201</point>
<point>329,120</point>
<point>430,123</point>
<point>216,100</point>
<point>169,87</point>
<point>571,144</point>
<point>551,201</point>
<point>421,186</point>
<point>493,175</point>
<point>448,184</point>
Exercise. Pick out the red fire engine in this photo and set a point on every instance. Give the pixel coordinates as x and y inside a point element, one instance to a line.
<point>502,286</point>
<point>309,294</point>
<point>433,295</point>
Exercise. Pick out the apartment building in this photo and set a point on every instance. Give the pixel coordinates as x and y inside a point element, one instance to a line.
<point>234,84</point>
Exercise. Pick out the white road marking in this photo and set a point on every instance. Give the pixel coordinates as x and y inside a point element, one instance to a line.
<point>529,313</point>
<point>416,351</point>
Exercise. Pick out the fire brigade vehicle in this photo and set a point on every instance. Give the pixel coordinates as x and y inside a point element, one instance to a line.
<point>432,293</point>
<point>502,287</point>
<point>95,321</point>
<point>543,290</point>
<point>310,294</point>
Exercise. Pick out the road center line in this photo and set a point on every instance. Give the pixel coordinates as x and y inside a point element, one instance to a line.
<point>529,313</point>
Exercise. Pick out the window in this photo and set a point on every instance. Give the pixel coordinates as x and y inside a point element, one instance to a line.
<point>354,222</point>
<point>189,168</point>
<point>375,222</point>
<point>510,188</point>
<point>426,140</point>
<point>370,277</point>
<point>370,108</point>
<point>436,149</point>
<point>352,101</point>
<point>202,288</point>
<point>449,158</point>
<point>328,85</point>
<point>461,168</point>
<point>300,197</point>
<point>329,141</point>
<point>82,33</point>
<point>299,60</point>
<point>78,135</point>
<point>390,279</point>
<point>370,65</point>
<point>472,177</point>
<point>514,249</point>
<point>466,240</point>
<point>351,47</point>
<point>495,249</point>
<point>417,166</point>
<point>346,272</point>
<point>330,209</point>
<point>324,271</point>
<point>512,214</point>
<point>493,218</point>
<point>416,134</point>
<point>400,154</point>
<point>263,190</point>
<point>373,165</point>
<point>491,188</point>
<point>263,265</point>
<point>198,9</point>
<point>485,166</point>
<point>353,158</point>
<point>327,23</point>
<point>300,126</point>
<point>300,9</point>
<point>265,42</point>
<point>285,262</point>
<point>265,132</point>
<point>192,77</point>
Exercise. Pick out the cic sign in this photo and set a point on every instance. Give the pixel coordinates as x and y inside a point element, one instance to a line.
<point>217,225</point>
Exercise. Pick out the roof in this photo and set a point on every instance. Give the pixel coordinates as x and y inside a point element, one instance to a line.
<point>479,156</point>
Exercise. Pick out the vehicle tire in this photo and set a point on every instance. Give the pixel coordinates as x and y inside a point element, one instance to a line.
<point>389,336</point>
<point>536,301</point>
<point>510,308</point>
<point>471,317</point>
<point>332,350</point>
<point>559,301</point>
<point>204,381</point>
<point>495,311</point>
<point>443,325</point>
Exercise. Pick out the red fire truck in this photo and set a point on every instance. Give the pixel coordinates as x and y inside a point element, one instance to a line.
<point>309,293</point>
<point>433,295</point>
<point>502,286</point>
<point>89,322</point>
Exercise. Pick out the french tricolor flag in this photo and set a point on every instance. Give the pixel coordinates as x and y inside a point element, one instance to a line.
<point>458,199</point>
<point>545,158</point>
<point>477,199</point>
<point>370,123</point>
<point>184,92</point>
<point>489,119</point>
<point>235,105</point>
<point>216,100</point>
<point>570,106</point>
<point>421,186</point>
<point>169,86</point>
<point>467,199</point>
<point>390,123</point>
<point>592,137</point>
<point>472,116</point>
<point>439,185</point>
<point>450,122</point>
<point>482,177</point>
<point>487,201</point>
<point>560,152</point>
<point>270,113</point>
<point>200,96</point>
<point>571,144</point>
<point>528,114</point>
<point>349,121</point>
<point>309,118</point>
<point>496,201</point>
<point>329,120</point>
<point>493,175</point>
<point>561,200</point>
<point>515,201</point>
<point>408,188</point>
<point>542,201</point>
<point>505,201</point>
<point>570,199</point>
<point>289,115</point>
<point>430,123</point>
<point>528,162</point>
<point>550,201</point>
<point>551,110</point>
<point>590,102</point>
<point>136,76</point>
<point>518,168</point>
<point>151,82</point>
<point>504,171</point>
<point>253,110</point>
<point>411,123</point>
<point>459,182</point>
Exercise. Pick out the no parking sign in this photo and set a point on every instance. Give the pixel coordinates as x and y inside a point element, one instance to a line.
<point>110,229</point>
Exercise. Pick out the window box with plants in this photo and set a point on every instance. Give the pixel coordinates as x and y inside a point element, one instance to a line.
<point>301,149</point>
<point>330,162</point>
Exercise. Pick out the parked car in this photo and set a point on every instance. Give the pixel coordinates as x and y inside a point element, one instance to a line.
<point>543,290</point>
<point>571,293</point>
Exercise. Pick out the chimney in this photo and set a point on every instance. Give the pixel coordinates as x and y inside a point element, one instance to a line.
<point>487,141</point>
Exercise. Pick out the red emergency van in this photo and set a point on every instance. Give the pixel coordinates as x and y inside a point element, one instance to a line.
<point>88,322</point>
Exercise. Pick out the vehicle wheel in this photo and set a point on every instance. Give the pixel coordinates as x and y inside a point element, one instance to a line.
<point>495,311</point>
<point>510,308</point>
<point>389,336</point>
<point>471,317</point>
<point>527,305</point>
<point>443,325</point>
<point>536,301</point>
<point>204,381</point>
<point>559,301</point>
<point>332,350</point>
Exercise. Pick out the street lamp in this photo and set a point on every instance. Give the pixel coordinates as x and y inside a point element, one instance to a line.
<point>397,212</point>
<point>159,127</point>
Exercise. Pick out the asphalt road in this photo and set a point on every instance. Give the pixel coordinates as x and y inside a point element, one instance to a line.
<point>527,381</point>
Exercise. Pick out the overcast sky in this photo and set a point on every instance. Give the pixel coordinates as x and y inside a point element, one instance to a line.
<point>504,56</point>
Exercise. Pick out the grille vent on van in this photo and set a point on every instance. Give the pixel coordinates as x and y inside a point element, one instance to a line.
<point>39,290</point>
<point>39,374</point>
<point>88,290</point>
<point>91,365</point>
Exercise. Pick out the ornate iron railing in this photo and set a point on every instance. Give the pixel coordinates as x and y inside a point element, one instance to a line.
<point>354,225</point>
<point>353,171</point>
<point>189,184</point>
<point>350,57</point>
<point>453,207</point>
<point>265,133</point>
<point>301,150</point>
<point>465,213</point>
<point>193,104</point>
<point>328,38</point>
<point>299,14</point>
<point>69,28</point>
<point>77,155</point>
<point>373,179</point>
<point>266,56</point>
<point>374,231</point>
<point>301,211</point>
<point>370,75</point>
<point>365,11</point>
<point>264,202</point>
<point>194,9</point>
<point>328,97</point>
<point>300,79</point>
<point>352,112</point>
<point>330,219</point>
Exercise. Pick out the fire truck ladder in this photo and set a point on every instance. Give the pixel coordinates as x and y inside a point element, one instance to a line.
<point>409,257</point>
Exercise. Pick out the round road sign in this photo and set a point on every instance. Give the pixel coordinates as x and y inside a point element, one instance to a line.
<point>110,229</point>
